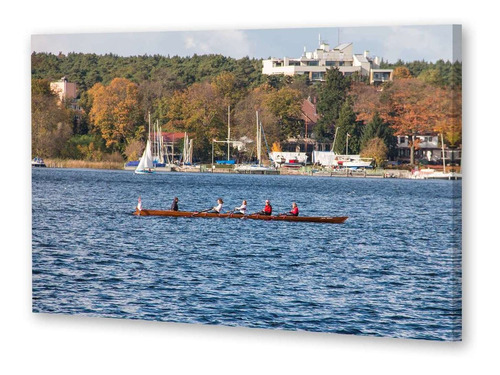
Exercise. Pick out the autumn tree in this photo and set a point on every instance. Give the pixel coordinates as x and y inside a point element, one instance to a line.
<point>245,118</point>
<point>228,88</point>
<point>285,105</point>
<point>401,72</point>
<point>198,110</point>
<point>447,114</point>
<point>366,99</point>
<point>376,149</point>
<point>410,109</point>
<point>134,149</point>
<point>115,112</point>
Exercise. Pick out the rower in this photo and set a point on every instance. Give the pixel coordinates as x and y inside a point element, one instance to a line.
<point>294,211</point>
<point>268,209</point>
<point>218,209</point>
<point>241,209</point>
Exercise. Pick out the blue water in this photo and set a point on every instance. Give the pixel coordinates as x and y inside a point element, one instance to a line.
<point>392,269</point>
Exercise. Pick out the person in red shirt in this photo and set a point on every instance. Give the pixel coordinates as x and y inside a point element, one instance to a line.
<point>294,211</point>
<point>268,209</point>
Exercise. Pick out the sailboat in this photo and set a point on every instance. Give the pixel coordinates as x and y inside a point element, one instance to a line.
<point>146,163</point>
<point>257,168</point>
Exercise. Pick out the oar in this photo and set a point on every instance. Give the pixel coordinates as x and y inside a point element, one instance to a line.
<point>200,212</point>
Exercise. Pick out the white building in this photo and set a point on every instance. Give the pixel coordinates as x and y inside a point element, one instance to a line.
<point>64,89</point>
<point>315,64</point>
<point>429,148</point>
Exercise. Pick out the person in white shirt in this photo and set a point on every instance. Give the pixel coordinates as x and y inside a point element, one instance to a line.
<point>241,209</point>
<point>218,208</point>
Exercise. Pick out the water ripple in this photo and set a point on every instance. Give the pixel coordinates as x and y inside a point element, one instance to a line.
<point>393,269</point>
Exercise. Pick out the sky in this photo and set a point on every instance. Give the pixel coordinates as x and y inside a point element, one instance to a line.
<point>408,43</point>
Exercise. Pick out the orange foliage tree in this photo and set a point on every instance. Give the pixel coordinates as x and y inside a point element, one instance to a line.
<point>115,112</point>
<point>367,101</point>
<point>412,106</point>
<point>410,109</point>
<point>402,72</point>
<point>447,108</point>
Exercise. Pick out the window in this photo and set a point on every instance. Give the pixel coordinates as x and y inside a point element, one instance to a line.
<point>317,76</point>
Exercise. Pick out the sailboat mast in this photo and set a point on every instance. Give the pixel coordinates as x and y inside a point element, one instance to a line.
<point>191,151</point>
<point>149,126</point>
<point>185,150</point>
<point>161,142</point>
<point>228,131</point>
<point>158,138</point>
<point>258,137</point>
<point>335,138</point>
<point>444,156</point>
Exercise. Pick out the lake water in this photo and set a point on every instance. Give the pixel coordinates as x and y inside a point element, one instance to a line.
<point>392,269</point>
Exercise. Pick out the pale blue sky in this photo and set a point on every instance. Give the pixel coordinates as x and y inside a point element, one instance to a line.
<point>409,43</point>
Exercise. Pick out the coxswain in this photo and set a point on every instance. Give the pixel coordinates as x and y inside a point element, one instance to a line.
<point>268,209</point>
<point>174,206</point>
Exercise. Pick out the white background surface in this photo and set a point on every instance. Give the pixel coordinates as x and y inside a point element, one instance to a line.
<point>48,344</point>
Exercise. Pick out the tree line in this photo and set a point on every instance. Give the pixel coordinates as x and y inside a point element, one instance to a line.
<point>194,94</point>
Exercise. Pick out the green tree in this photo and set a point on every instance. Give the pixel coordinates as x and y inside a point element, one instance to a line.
<point>347,127</point>
<point>432,77</point>
<point>51,125</point>
<point>378,128</point>
<point>331,97</point>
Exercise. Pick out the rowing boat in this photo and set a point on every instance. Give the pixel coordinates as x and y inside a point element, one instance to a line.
<point>308,219</point>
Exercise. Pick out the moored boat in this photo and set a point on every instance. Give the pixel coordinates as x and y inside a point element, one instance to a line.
<point>38,162</point>
<point>307,219</point>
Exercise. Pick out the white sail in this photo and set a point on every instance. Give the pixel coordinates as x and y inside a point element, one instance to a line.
<point>146,162</point>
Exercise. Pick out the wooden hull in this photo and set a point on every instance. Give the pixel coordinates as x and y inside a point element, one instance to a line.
<point>331,220</point>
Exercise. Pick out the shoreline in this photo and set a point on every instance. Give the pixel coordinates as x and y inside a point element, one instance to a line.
<point>304,171</point>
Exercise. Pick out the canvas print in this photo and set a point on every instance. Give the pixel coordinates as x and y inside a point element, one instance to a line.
<point>303,179</point>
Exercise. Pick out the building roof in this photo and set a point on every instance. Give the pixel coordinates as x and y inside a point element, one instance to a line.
<point>343,46</point>
<point>172,137</point>
<point>361,58</point>
<point>309,113</point>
